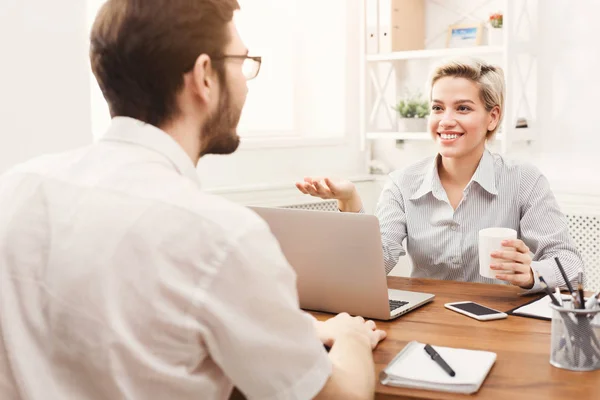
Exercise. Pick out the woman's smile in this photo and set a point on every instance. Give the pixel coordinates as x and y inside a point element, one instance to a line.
<point>449,137</point>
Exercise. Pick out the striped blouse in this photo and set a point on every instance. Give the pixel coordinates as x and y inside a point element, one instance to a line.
<point>443,243</point>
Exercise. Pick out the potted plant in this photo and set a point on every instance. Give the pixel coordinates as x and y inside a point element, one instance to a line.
<point>495,33</point>
<point>412,112</point>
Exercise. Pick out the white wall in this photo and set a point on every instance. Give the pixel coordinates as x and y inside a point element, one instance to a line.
<point>44,90</point>
<point>569,94</point>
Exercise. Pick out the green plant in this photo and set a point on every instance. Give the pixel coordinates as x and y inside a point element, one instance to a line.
<point>412,106</point>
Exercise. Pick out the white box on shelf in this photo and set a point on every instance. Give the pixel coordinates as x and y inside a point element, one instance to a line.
<point>372,26</point>
<point>385,26</point>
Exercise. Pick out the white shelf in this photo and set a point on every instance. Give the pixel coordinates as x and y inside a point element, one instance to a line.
<point>520,135</point>
<point>399,135</point>
<point>434,53</point>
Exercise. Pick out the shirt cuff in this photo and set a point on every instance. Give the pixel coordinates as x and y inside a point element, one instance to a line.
<point>543,268</point>
<point>309,385</point>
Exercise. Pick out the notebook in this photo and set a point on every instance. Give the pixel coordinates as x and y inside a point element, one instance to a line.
<point>414,368</point>
<point>537,308</point>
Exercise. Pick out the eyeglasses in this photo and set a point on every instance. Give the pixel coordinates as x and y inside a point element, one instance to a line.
<point>250,64</point>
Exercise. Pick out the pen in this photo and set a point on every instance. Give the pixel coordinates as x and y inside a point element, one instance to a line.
<point>438,359</point>
<point>564,275</point>
<point>544,286</point>
<point>580,290</point>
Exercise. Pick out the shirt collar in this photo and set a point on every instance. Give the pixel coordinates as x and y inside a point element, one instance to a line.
<point>484,175</point>
<point>133,131</point>
<point>431,181</point>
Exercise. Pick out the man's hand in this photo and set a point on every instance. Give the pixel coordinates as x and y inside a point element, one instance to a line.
<point>343,324</point>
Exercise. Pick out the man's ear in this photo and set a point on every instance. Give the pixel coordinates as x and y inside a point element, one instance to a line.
<point>203,78</point>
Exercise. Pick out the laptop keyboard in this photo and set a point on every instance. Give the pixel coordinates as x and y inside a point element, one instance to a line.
<point>395,304</point>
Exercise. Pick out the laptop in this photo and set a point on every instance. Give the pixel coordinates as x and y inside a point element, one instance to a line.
<point>338,260</point>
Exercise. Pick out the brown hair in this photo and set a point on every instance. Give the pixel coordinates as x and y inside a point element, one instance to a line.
<point>490,79</point>
<point>141,49</point>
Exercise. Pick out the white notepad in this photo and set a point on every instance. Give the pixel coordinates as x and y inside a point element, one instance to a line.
<point>414,368</point>
<point>539,308</point>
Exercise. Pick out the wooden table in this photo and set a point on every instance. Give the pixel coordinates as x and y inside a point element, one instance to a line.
<point>522,369</point>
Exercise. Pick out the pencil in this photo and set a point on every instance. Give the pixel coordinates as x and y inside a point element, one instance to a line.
<point>544,286</point>
<point>564,275</point>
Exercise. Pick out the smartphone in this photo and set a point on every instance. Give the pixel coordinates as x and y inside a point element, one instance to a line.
<point>475,310</point>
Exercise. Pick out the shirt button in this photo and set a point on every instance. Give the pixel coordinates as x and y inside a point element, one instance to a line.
<point>454,227</point>
<point>456,260</point>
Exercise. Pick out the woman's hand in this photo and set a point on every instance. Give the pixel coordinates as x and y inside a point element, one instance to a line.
<point>325,188</point>
<point>514,264</point>
<point>343,191</point>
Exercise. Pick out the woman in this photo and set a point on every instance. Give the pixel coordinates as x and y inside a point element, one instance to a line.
<point>440,204</point>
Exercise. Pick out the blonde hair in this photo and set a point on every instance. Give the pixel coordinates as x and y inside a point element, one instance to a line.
<point>489,78</point>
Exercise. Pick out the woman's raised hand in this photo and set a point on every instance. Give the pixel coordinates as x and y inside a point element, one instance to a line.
<point>326,188</point>
<point>343,191</point>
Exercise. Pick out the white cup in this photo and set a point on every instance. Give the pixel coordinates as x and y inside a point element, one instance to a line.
<point>490,240</point>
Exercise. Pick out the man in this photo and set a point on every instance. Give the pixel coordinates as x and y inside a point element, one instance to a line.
<point>121,279</point>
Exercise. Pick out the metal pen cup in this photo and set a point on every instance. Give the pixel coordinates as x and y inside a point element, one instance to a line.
<point>575,338</point>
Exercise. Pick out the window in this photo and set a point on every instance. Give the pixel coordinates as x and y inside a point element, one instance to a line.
<point>269,106</point>
<point>302,86</point>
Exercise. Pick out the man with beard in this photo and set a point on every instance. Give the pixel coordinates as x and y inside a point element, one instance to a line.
<point>121,279</point>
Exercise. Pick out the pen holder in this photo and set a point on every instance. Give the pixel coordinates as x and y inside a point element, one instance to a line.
<point>575,340</point>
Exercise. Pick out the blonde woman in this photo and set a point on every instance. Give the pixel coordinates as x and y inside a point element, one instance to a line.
<point>439,204</point>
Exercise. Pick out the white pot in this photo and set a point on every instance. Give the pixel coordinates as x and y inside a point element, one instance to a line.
<point>412,124</point>
<point>495,36</point>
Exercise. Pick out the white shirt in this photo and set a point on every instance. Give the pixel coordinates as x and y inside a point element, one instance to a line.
<point>121,279</point>
<point>443,243</point>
